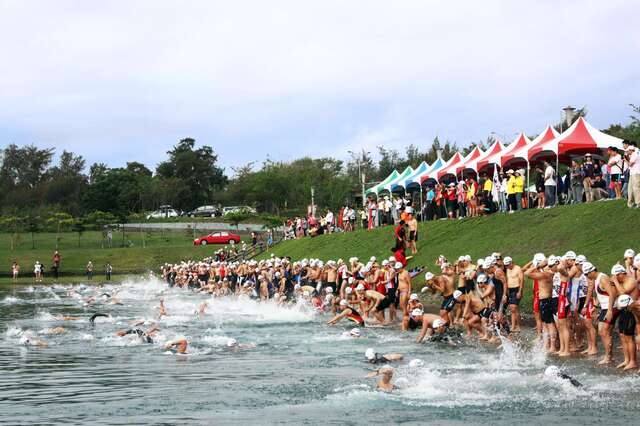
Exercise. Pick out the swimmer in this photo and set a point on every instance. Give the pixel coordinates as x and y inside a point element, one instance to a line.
<point>431,324</point>
<point>92,320</point>
<point>162,311</point>
<point>55,330</point>
<point>28,340</point>
<point>554,372</point>
<point>145,336</point>
<point>67,318</point>
<point>384,384</point>
<point>177,346</point>
<point>375,358</point>
<point>347,312</point>
<point>233,344</point>
<point>355,333</point>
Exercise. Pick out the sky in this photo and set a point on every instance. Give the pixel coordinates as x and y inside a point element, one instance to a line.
<point>119,81</point>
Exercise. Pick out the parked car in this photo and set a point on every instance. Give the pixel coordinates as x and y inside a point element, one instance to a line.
<point>205,211</point>
<point>238,209</point>
<point>163,211</point>
<point>217,238</point>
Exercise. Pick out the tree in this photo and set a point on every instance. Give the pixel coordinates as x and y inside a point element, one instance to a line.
<point>630,131</point>
<point>234,218</point>
<point>139,169</point>
<point>390,160</point>
<point>197,168</point>
<point>96,171</point>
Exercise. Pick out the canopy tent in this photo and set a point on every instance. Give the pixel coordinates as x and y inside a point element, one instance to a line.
<point>580,138</point>
<point>414,178</point>
<point>430,172</point>
<point>397,182</point>
<point>374,189</point>
<point>523,153</point>
<point>473,155</point>
<point>448,168</point>
<point>490,156</point>
<point>515,149</point>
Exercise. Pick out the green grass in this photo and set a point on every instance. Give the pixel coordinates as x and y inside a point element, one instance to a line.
<point>601,231</point>
<point>135,257</point>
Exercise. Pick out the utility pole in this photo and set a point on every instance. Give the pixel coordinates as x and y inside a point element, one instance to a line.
<point>313,204</point>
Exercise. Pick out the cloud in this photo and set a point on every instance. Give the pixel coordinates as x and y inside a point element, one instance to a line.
<point>120,81</point>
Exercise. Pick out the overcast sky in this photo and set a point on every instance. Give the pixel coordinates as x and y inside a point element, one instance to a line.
<point>120,81</point>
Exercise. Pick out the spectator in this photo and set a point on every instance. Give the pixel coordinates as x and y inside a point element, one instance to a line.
<point>89,270</point>
<point>108,270</point>
<point>37,271</point>
<point>540,187</point>
<point>502,193</point>
<point>615,166</point>
<point>109,238</point>
<point>549,185</point>
<point>462,198</point>
<point>589,172</point>
<point>451,200</point>
<point>254,239</point>
<point>328,218</point>
<point>576,183</point>
<point>511,191</point>
<point>633,157</point>
<point>56,264</point>
<point>15,270</point>
<point>599,189</point>
<point>519,187</point>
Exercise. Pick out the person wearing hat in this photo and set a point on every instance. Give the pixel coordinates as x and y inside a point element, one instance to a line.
<point>512,200</point>
<point>625,286</point>
<point>431,324</point>
<point>519,187</point>
<point>632,155</point>
<point>348,312</point>
<point>515,286</point>
<point>549,185</point>
<point>444,285</point>
<point>615,165</point>
<point>411,321</point>
<point>589,170</point>
<point>476,312</point>
<point>537,270</point>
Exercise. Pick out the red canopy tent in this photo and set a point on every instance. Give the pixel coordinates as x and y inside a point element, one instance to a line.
<point>457,158</point>
<point>515,149</point>
<point>490,156</point>
<point>475,153</point>
<point>580,138</point>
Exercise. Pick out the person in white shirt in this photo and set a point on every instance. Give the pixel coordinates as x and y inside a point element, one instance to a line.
<point>615,168</point>
<point>329,220</point>
<point>633,157</point>
<point>549,185</point>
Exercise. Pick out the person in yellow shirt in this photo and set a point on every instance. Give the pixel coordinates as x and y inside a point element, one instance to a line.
<point>519,188</point>
<point>511,191</point>
<point>487,187</point>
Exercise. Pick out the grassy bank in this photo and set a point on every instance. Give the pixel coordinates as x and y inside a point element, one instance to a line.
<point>601,231</point>
<point>140,251</point>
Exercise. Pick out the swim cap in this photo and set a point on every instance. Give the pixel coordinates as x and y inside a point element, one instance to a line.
<point>438,323</point>
<point>618,269</point>
<point>416,363</point>
<point>482,278</point>
<point>570,255</point>
<point>580,259</point>
<point>398,265</point>
<point>370,353</point>
<point>428,276</point>
<point>232,342</point>
<point>413,296</point>
<point>480,263</point>
<point>306,293</point>
<point>553,260</point>
<point>372,259</point>
<point>552,371</point>
<point>624,300</point>
<point>489,261</point>
<point>539,257</point>
<point>457,294</point>
<point>385,262</point>
<point>344,303</point>
<point>508,260</point>
<point>296,287</point>
<point>355,332</point>
<point>360,287</point>
<point>629,253</point>
<point>467,258</point>
<point>416,312</point>
<point>329,290</point>
<point>587,267</point>
<point>351,280</point>
<point>392,259</point>
<point>348,290</point>
<point>636,261</point>
<point>328,298</point>
<point>424,289</point>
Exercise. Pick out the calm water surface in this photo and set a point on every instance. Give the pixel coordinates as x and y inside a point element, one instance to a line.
<point>300,372</point>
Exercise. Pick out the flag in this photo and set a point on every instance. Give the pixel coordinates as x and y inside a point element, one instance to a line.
<point>496,185</point>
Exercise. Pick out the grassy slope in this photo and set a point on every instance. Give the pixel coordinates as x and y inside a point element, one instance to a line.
<point>601,231</point>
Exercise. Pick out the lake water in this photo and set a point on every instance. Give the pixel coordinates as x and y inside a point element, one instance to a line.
<point>300,372</point>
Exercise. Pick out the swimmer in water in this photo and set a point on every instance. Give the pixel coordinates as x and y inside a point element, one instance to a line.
<point>92,320</point>
<point>375,358</point>
<point>67,318</point>
<point>55,330</point>
<point>554,372</point>
<point>384,384</point>
<point>177,346</point>
<point>233,344</point>
<point>162,311</point>
<point>145,336</point>
<point>28,340</point>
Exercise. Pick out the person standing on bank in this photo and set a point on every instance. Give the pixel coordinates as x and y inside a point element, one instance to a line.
<point>549,185</point>
<point>56,264</point>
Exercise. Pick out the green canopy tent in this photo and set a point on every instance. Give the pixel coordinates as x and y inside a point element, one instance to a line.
<point>376,188</point>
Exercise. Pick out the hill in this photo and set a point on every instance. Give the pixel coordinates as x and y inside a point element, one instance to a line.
<point>601,231</point>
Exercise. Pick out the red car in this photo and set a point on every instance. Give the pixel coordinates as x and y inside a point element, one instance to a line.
<point>217,238</point>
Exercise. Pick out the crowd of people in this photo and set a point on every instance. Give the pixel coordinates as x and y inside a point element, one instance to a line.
<point>577,308</point>
<point>586,180</point>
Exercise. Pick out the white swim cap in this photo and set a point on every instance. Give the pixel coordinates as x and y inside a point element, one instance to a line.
<point>416,363</point>
<point>392,259</point>
<point>580,259</point>
<point>306,293</point>
<point>553,260</point>
<point>570,255</point>
<point>438,323</point>
<point>351,280</point>
<point>429,276</point>
<point>540,257</point>
<point>360,287</point>
<point>508,260</point>
<point>370,353</point>
<point>587,267</point>
<point>489,261</point>
<point>618,269</point>
<point>372,259</point>
<point>232,342</point>
<point>629,253</point>
<point>636,261</point>
<point>482,278</point>
<point>461,259</point>
<point>385,262</point>
<point>355,332</point>
<point>398,265</point>
<point>457,294</point>
<point>467,258</point>
<point>424,289</point>
<point>296,287</point>
<point>552,371</point>
<point>480,263</point>
<point>343,302</point>
<point>416,312</point>
<point>623,301</point>
<point>413,296</point>
<point>328,290</point>
<point>348,290</point>
<point>328,298</point>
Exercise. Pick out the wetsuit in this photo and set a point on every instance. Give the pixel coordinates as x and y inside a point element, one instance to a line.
<point>355,317</point>
<point>378,359</point>
<point>499,292</point>
<point>141,334</point>
<point>448,303</point>
<point>94,316</point>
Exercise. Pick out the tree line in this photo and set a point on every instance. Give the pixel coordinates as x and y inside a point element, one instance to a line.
<point>31,186</point>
